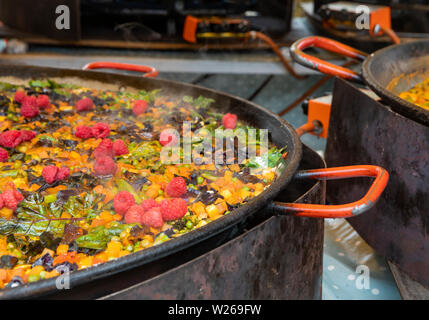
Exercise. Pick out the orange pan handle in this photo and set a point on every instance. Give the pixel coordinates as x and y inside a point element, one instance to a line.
<point>344,210</point>
<point>297,53</point>
<point>149,72</point>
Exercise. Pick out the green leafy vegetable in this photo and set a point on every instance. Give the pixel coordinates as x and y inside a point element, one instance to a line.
<point>34,216</point>
<point>270,159</point>
<point>146,150</point>
<point>160,238</point>
<point>100,236</point>
<point>4,86</point>
<point>200,102</point>
<point>45,84</point>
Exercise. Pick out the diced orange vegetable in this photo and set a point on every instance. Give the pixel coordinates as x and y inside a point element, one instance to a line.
<point>36,270</point>
<point>113,249</point>
<point>3,275</point>
<point>62,249</point>
<point>6,213</point>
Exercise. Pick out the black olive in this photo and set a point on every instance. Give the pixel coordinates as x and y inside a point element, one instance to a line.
<point>66,266</point>
<point>45,261</point>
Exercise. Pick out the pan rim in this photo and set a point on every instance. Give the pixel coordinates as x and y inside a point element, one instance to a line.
<point>148,255</point>
<point>401,106</point>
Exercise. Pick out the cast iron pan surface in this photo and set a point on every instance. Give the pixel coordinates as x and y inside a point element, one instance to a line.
<point>396,69</point>
<point>281,134</point>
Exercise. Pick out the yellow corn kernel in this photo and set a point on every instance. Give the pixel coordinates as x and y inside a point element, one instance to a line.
<point>159,199</point>
<point>62,249</point>
<point>152,191</point>
<point>212,211</point>
<point>244,193</point>
<point>222,207</point>
<point>23,267</point>
<point>226,194</point>
<point>106,216</point>
<point>268,174</point>
<point>6,213</point>
<point>123,253</point>
<point>113,249</point>
<point>198,208</point>
<point>36,270</point>
<point>66,215</point>
<point>45,251</point>
<point>20,183</point>
<point>3,244</point>
<point>85,262</point>
<point>74,155</point>
<point>66,108</point>
<point>201,223</point>
<point>228,175</point>
<point>258,186</point>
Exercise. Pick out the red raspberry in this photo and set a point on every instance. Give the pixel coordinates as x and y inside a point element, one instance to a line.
<point>119,147</point>
<point>100,130</point>
<point>134,214</point>
<point>139,107</point>
<point>104,149</point>
<point>153,218</point>
<point>105,166</point>
<point>123,201</point>
<point>229,121</point>
<point>43,101</point>
<point>18,196</point>
<point>173,209</point>
<point>29,101</point>
<point>4,155</point>
<point>49,173</point>
<point>84,104</point>
<point>10,139</point>
<point>1,201</point>
<point>83,132</point>
<point>149,204</point>
<point>63,173</point>
<point>176,187</point>
<point>168,138</point>
<point>9,199</point>
<point>19,96</point>
<point>27,135</point>
<point>29,109</point>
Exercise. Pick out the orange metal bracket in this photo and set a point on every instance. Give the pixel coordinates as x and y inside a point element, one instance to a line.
<point>380,24</point>
<point>344,210</point>
<point>309,127</point>
<point>319,111</point>
<point>190,29</point>
<point>380,17</point>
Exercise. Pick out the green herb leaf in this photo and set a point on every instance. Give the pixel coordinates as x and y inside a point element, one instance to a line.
<point>270,159</point>
<point>100,236</point>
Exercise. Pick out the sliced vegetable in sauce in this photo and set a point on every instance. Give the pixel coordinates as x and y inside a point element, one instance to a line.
<point>82,179</point>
